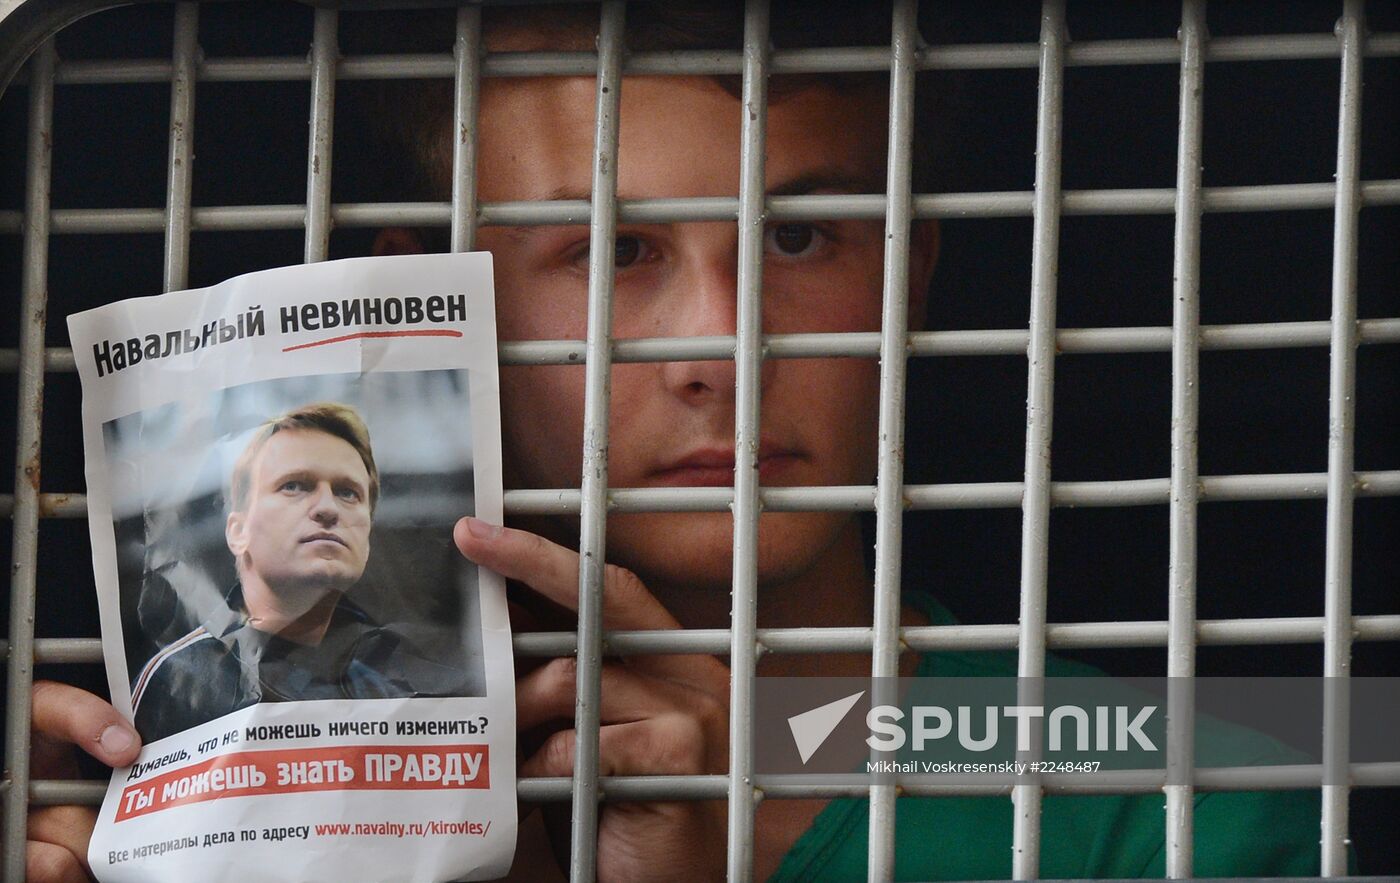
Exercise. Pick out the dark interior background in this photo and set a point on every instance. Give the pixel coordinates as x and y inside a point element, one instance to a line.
<point>1261,411</point>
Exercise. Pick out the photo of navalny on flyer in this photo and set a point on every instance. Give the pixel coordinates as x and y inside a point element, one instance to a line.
<point>322,683</point>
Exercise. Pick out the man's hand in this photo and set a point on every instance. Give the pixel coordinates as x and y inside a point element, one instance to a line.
<point>661,715</point>
<point>65,716</point>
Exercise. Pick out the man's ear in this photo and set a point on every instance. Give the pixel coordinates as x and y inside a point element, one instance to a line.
<point>923,256</point>
<point>397,240</point>
<point>236,534</point>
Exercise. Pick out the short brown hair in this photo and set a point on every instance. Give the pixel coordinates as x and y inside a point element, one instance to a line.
<point>332,418</point>
<point>413,118</point>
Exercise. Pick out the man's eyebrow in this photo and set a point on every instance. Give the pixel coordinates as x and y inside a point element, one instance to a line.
<point>311,473</point>
<point>836,181</point>
<point>289,474</point>
<point>568,192</point>
<point>829,181</point>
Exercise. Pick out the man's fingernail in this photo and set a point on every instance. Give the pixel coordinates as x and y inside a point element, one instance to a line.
<point>482,530</point>
<point>116,739</point>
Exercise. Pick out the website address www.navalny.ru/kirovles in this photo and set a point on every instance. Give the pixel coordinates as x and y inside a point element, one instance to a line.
<point>403,829</point>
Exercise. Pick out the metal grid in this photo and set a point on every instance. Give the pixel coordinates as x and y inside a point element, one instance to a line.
<point>890,496</point>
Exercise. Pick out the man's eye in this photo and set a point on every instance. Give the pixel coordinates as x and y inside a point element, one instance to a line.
<point>791,240</point>
<point>294,485</point>
<point>627,251</point>
<point>348,494</point>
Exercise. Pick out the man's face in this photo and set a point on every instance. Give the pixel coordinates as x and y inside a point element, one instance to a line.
<point>306,525</point>
<point>672,424</point>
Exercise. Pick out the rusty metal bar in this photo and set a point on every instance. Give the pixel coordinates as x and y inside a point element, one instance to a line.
<point>25,514</point>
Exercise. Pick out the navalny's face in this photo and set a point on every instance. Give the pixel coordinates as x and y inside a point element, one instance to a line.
<point>305,528</point>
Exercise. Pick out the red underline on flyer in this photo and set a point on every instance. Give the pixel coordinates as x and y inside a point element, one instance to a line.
<point>363,334</point>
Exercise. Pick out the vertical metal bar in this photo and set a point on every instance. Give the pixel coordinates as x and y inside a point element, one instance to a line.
<point>749,367</point>
<point>466,99</point>
<point>1341,481</point>
<point>318,156</point>
<point>25,513</point>
<point>583,859</point>
<point>177,200</point>
<point>1185,478</point>
<point>894,354</point>
<point>1035,526</point>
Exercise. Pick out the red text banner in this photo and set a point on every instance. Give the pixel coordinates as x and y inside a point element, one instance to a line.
<point>346,768</point>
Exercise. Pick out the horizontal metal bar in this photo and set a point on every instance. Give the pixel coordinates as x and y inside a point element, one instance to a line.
<point>693,787</point>
<point>62,651</point>
<point>1261,778</point>
<point>991,342</point>
<point>985,56</point>
<point>861,498</point>
<point>1060,636</point>
<point>51,792</point>
<point>1005,204</point>
<point>411,66</point>
<point>55,359</point>
<point>1137,492</point>
<point>1093,53</point>
<point>1011,341</point>
<point>59,792</point>
<point>1242,632</point>
<point>50,505</point>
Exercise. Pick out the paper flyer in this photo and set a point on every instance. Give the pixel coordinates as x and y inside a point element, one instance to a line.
<point>323,684</point>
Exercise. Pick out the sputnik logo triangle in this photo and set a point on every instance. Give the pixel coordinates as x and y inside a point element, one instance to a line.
<point>811,728</point>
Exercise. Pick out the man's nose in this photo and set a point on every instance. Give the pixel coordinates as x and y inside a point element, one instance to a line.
<point>323,505</point>
<point>705,304</point>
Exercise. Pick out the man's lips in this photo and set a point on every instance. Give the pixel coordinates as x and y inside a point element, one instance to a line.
<point>714,467</point>
<point>324,536</point>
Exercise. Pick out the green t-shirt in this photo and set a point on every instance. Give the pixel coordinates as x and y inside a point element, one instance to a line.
<point>969,838</point>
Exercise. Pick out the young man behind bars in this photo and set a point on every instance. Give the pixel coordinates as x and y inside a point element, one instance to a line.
<point>672,425</point>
